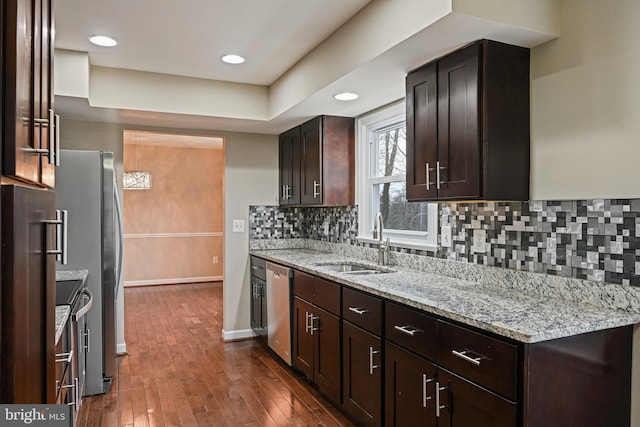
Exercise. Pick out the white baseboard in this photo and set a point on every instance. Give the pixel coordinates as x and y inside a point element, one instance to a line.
<point>241,334</point>
<point>177,281</point>
<point>121,348</point>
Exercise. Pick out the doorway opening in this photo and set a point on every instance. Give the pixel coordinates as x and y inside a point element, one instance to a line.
<point>174,225</point>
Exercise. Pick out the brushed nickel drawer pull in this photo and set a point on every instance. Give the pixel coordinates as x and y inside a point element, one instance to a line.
<point>409,330</point>
<point>463,355</point>
<point>358,310</point>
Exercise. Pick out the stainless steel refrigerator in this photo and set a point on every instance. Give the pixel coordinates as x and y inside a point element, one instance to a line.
<point>86,188</point>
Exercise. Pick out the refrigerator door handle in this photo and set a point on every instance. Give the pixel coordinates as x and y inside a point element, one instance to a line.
<point>120,235</point>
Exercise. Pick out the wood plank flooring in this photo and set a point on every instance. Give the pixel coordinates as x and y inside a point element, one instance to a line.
<point>178,372</point>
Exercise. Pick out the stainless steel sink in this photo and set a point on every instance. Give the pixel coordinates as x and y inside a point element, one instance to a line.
<point>353,269</point>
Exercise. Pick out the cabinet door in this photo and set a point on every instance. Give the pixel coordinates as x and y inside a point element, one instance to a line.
<point>422,133</point>
<point>311,136</point>
<point>28,295</point>
<point>290,167</point>
<point>303,351</point>
<point>327,354</point>
<point>362,370</point>
<point>19,156</point>
<point>458,124</point>
<point>464,404</point>
<point>409,389</point>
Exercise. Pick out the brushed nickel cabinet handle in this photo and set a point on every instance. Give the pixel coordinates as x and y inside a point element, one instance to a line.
<point>438,405</point>
<point>425,396</point>
<point>463,355</point>
<point>312,319</point>
<point>61,223</point>
<point>409,330</point>
<point>372,352</point>
<point>358,310</point>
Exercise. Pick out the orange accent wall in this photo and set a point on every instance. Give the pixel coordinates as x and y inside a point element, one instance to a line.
<point>186,196</point>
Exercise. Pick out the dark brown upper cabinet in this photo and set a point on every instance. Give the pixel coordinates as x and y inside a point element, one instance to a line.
<point>30,125</point>
<point>468,125</point>
<point>290,167</point>
<point>317,163</point>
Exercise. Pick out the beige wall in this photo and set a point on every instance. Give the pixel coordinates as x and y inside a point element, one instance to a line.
<point>586,104</point>
<point>585,113</point>
<point>174,230</point>
<point>251,179</point>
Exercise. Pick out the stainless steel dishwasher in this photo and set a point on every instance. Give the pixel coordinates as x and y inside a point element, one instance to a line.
<point>279,310</point>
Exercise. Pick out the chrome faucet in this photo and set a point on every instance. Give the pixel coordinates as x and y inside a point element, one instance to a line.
<point>383,247</point>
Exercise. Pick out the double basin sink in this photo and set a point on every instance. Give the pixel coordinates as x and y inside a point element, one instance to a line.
<point>353,268</point>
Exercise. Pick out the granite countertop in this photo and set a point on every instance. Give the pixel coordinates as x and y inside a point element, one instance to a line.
<point>62,315</point>
<point>506,312</point>
<point>71,275</point>
<point>63,311</point>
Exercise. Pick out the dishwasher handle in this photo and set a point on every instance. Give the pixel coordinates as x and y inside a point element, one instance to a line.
<point>277,270</point>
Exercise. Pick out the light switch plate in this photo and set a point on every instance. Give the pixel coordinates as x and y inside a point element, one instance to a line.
<point>238,226</point>
<point>480,241</point>
<point>445,236</point>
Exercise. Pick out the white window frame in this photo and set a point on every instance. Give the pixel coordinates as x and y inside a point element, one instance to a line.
<point>366,126</point>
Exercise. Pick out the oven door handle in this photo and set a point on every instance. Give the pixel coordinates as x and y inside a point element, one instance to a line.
<point>85,308</point>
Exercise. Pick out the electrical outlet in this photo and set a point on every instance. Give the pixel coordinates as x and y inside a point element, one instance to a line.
<point>215,259</point>
<point>238,226</point>
<point>445,236</point>
<point>480,241</point>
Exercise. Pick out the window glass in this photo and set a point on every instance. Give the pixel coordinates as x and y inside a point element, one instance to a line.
<point>381,182</point>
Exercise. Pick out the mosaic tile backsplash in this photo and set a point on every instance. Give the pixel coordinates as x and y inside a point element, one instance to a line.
<point>335,224</point>
<point>596,240</point>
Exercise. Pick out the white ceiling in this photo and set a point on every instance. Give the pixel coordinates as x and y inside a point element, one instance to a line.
<point>187,38</point>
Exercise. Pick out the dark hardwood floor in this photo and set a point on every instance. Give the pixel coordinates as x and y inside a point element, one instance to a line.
<point>178,372</point>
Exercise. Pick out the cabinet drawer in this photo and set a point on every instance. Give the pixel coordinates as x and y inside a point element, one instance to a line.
<point>363,310</point>
<point>303,285</point>
<point>487,361</point>
<point>411,329</point>
<point>327,295</point>
<point>258,267</point>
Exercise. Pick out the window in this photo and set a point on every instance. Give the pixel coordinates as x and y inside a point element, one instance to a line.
<point>381,186</point>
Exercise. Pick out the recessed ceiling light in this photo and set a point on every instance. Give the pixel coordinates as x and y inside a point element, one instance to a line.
<point>232,59</point>
<point>345,96</point>
<point>103,41</point>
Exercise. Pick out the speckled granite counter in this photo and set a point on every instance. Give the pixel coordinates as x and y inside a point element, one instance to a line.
<point>63,311</point>
<point>492,307</point>
<point>71,275</point>
<point>62,315</point>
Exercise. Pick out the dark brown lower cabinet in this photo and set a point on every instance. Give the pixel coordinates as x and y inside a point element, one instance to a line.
<point>409,386</point>
<point>28,296</point>
<point>464,404</point>
<point>316,347</point>
<point>362,370</point>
